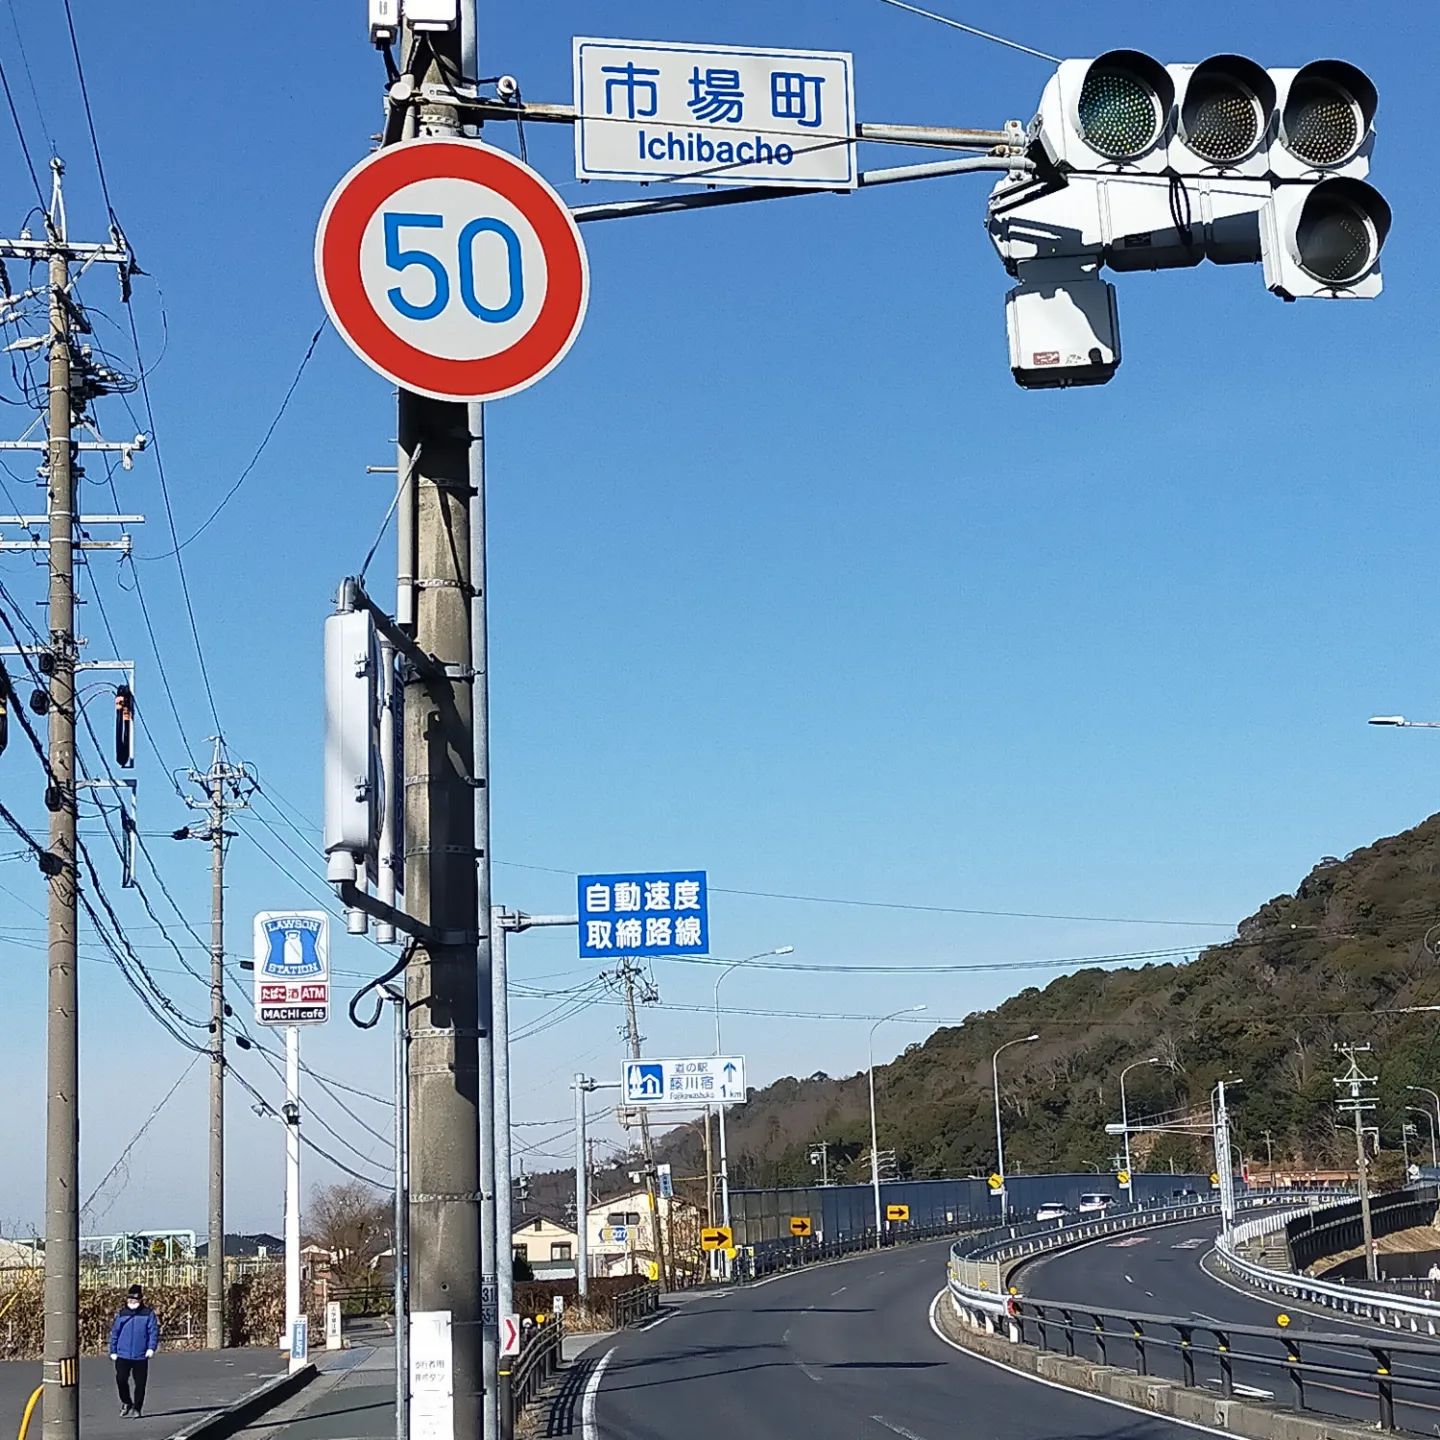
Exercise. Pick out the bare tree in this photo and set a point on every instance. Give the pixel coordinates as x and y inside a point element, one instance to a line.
<point>353,1223</point>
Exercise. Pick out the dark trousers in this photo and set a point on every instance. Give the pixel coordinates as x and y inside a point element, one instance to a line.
<point>124,1369</point>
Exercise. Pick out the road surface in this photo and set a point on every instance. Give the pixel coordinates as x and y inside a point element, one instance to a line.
<point>838,1350</point>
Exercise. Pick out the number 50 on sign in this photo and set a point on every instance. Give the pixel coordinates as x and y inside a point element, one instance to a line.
<point>452,269</point>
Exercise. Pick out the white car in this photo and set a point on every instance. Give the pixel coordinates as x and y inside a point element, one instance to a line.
<point>1052,1210</point>
<point>1095,1204</point>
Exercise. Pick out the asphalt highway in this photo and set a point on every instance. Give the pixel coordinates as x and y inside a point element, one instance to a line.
<point>844,1350</point>
<point>1160,1272</point>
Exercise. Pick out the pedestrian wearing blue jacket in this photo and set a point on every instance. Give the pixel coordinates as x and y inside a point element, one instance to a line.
<point>134,1339</point>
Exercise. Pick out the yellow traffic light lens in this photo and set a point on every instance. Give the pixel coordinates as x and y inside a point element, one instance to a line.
<point>1118,113</point>
<point>1322,121</point>
<point>1221,119</point>
<point>1335,239</point>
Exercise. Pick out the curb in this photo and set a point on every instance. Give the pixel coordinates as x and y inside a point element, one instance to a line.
<point>249,1407</point>
<point>1148,1394</point>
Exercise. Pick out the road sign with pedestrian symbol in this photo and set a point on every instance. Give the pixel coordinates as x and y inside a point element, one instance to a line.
<point>716,1237</point>
<point>801,1225</point>
<point>897,1212</point>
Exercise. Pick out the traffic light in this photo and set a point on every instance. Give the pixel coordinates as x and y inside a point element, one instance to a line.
<point>1144,166</point>
<point>124,727</point>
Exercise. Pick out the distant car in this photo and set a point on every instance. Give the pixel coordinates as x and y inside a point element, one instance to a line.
<point>1095,1204</point>
<point>1053,1210</point>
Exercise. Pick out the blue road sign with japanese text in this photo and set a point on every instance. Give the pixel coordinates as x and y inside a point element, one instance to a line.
<point>662,912</point>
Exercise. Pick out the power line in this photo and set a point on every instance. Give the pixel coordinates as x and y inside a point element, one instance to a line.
<point>971,30</point>
<point>916,908</point>
<point>259,451</point>
<point>89,115</point>
<point>24,143</point>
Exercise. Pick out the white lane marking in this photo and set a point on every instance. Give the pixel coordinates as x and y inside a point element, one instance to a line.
<point>1193,1243</point>
<point>1055,1384</point>
<point>898,1429</point>
<point>655,1324</point>
<point>588,1430</point>
<point>843,1288</point>
<point>808,1372</point>
<point>1247,1392</point>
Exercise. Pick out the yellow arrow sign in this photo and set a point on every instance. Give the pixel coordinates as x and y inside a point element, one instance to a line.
<point>801,1225</point>
<point>897,1212</point>
<point>717,1237</point>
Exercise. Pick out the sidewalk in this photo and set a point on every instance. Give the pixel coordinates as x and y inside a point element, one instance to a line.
<point>184,1385</point>
<point>353,1400</point>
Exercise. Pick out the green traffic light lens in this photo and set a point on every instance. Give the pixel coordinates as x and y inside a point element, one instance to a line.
<point>1118,113</point>
<point>1221,119</point>
<point>1335,239</point>
<point>1322,122</point>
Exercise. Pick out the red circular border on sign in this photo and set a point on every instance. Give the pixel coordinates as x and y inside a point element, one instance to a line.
<point>369,186</point>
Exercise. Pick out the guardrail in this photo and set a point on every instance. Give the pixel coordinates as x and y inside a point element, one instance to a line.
<point>1167,1347</point>
<point>1400,1311</point>
<point>538,1360</point>
<point>1311,1362</point>
<point>754,1264</point>
<point>981,1264</point>
<point>633,1305</point>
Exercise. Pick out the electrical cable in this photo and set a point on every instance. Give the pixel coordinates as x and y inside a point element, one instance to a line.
<point>136,1138</point>
<point>259,450</point>
<point>24,143</point>
<point>89,115</point>
<point>971,30</point>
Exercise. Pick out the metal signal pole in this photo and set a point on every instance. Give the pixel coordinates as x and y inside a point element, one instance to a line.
<point>227,787</point>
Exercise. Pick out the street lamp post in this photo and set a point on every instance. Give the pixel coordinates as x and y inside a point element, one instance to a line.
<point>874,1142</point>
<point>999,1135</point>
<point>1125,1122</point>
<point>724,1160</point>
<point>1424,1110</point>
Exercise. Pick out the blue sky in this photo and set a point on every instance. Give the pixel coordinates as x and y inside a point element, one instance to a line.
<point>789,580</point>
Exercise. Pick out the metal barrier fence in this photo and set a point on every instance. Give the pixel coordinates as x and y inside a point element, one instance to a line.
<point>752,1265</point>
<point>1311,1361</point>
<point>1332,1364</point>
<point>633,1305</point>
<point>1339,1227</point>
<point>538,1360</point>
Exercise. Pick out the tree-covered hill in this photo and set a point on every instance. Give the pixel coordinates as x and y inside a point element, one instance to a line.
<point>1335,961</point>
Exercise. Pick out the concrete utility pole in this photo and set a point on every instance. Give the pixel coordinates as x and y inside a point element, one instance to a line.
<point>62,1077</point>
<point>227,787</point>
<point>582,1086</point>
<point>447,859</point>
<point>628,973</point>
<point>1354,1100</point>
<point>71,381</point>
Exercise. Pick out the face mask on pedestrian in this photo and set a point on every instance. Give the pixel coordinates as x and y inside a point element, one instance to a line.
<point>132,1303</point>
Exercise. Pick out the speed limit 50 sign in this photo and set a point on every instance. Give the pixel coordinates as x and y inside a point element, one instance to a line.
<point>452,269</point>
